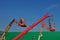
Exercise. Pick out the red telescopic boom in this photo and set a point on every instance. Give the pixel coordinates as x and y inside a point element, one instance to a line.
<point>30,27</point>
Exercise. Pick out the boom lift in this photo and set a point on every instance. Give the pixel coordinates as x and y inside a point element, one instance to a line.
<point>21,23</point>
<point>51,27</point>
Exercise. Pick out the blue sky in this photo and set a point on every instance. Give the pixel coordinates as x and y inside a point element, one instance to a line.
<point>30,10</point>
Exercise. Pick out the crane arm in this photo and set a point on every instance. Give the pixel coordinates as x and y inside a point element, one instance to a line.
<point>9,25</point>
<point>13,21</point>
<point>44,25</point>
